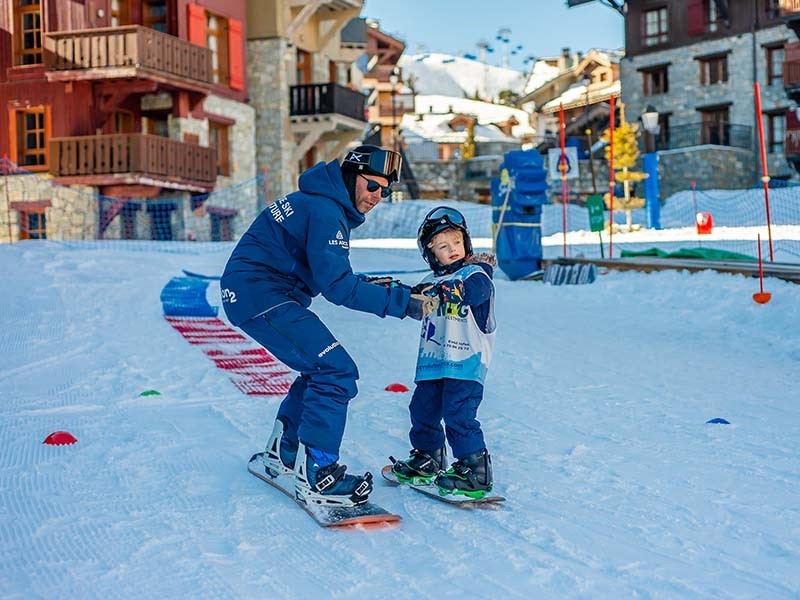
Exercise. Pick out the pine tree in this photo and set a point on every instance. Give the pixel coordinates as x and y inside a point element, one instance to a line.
<point>626,155</point>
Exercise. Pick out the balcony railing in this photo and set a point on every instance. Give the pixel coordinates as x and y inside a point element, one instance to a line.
<point>698,134</point>
<point>130,46</point>
<point>789,7</point>
<point>326,98</point>
<point>792,144</point>
<point>132,153</point>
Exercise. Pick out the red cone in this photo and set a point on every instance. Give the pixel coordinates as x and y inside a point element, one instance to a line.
<point>396,387</point>
<point>60,438</point>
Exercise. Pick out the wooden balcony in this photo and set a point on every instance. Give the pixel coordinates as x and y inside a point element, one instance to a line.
<point>792,147</point>
<point>326,99</point>
<point>789,8</point>
<point>133,159</point>
<point>131,51</point>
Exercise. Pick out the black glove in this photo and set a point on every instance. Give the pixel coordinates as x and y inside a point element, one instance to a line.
<point>420,305</point>
<point>421,288</point>
<point>383,280</point>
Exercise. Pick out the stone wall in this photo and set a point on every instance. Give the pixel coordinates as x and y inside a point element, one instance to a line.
<point>711,167</point>
<point>269,62</point>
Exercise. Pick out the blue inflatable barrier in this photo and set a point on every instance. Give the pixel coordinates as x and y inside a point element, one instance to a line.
<point>186,297</point>
<point>517,199</point>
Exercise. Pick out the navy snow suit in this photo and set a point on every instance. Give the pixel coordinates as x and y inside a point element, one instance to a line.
<point>297,248</point>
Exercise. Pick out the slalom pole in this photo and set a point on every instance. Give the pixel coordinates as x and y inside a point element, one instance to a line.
<point>563,168</point>
<point>764,172</point>
<point>761,296</point>
<point>611,127</point>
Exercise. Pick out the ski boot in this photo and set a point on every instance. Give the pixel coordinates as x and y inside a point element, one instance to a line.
<point>280,454</point>
<point>421,467</point>
<point>327,485</point>
<point>470,476</point>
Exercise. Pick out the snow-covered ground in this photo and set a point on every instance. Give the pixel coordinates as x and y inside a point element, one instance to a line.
<point>595,413</point>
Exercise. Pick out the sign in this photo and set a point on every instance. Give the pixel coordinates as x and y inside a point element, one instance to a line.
<point>553,158</point>
<point>596,207</point>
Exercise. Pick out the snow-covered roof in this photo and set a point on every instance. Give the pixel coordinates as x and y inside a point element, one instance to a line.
<point>485,112</point>
<point>576,94</point>
<point>442,74</point>
<point>436,128</point>
<point>541,73</point>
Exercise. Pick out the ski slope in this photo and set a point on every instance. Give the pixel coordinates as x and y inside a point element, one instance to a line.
<point>595,413</point>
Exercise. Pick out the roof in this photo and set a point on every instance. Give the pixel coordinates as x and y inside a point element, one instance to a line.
<point>436,128</point>
<point>485,112</point>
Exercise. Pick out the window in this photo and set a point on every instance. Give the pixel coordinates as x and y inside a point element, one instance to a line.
<point>122,121</point>
<point>217,42</point>
<point>655,28</point>
<point>775,130</point>
<point>27,32</point>
<point>712,20</point>
<point>154,15</point>
<point>120,13</point>
<point>715,127</point>
<point>221,228</point>
<point>655,81</point>
<point>156,125</point>
<point>161,221</point>
<point>127,221</point>
<point>663,131</point>
<point>219,139</point>
<point>775,57</point>
<point>33,225</point>
<point>773,8</point>
<point>32,136</point>
<point>713,69</point>
<point>303,67</point>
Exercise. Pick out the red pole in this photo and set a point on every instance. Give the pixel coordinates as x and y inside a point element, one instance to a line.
<point>764,172</point>
<point>611,126</point>
<point>760,267</point>
<point>563,167</point>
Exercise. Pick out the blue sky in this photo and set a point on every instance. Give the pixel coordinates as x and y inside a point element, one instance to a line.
<point>541,27</point>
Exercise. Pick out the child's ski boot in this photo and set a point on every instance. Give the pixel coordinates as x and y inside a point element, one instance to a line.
<point>328,485</point>
<point>470,476</point>
<point>279,456</point>
<point>421,467</point>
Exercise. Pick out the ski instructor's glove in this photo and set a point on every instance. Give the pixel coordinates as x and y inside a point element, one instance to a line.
<point>382,280</point>
<point>419,306</point>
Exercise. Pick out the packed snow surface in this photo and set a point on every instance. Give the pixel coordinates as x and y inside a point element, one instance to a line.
<point>595,413</point>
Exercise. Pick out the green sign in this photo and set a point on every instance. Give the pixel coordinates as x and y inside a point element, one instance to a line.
<point>597,209</point>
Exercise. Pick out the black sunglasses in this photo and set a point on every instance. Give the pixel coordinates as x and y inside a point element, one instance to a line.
<point>374,186</point>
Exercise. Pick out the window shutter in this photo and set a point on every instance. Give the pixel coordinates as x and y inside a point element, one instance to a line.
<point>235,54</point>
<point>792,122</point>
<point>696,16</point>
<point>197,24</point>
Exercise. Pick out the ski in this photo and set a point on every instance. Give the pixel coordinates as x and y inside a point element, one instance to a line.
<point>433,492</point>
<point>366,516</point>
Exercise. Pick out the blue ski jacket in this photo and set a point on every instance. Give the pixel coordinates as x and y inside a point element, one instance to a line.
<point>299,247</point>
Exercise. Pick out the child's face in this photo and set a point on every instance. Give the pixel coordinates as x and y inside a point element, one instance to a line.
<point>448,246</point>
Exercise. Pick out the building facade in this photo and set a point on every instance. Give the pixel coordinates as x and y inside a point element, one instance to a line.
<point>132,111</point>
<point>308,108</point>
<point>696,62</point>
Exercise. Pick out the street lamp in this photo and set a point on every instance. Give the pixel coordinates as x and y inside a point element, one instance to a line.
<point>393,79</point>
<point>650,163</point>
<point>651,124</point>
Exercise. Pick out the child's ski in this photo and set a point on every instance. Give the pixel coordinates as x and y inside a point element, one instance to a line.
<point>368,515</point>
<point>433,492</point>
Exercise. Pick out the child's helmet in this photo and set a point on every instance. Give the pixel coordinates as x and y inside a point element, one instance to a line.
<point>437,220</point>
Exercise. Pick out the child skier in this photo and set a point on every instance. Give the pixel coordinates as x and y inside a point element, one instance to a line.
<point>454,354</point>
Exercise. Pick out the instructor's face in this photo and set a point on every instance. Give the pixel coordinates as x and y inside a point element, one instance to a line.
<point>366,200</point>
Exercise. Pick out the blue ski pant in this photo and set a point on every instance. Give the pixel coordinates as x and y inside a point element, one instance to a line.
<point>453,401</point>
<point>315,409</point>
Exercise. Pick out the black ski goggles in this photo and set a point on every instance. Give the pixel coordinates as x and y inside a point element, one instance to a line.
<point>446,215</point>
<point>385,163</point>
<point>374,186</point>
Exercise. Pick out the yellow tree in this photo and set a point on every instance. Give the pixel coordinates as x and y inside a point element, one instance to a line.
<point>626,155</point>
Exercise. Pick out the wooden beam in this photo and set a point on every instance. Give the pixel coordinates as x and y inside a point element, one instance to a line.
<point>302,17</point>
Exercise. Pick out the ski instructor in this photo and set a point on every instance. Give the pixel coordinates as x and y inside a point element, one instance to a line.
<point>297,248</point>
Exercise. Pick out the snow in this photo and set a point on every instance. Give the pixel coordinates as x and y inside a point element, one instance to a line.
<point>431,106</point>
<point>445,75</point>
<point>595,413</point>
